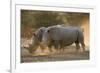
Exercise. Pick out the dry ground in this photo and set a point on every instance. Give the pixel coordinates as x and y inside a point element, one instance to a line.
<point>69,53</point>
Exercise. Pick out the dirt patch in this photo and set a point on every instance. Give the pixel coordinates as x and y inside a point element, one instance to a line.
<point>62,56</point>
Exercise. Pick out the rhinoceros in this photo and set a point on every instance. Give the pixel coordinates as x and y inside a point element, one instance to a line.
<point>63,36</point>
<point>36,39</point>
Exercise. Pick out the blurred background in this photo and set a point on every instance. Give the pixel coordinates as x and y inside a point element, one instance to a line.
<point>32,20</point>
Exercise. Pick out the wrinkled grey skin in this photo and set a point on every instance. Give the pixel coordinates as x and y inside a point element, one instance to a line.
<point>63,36</point>
<point>37,38</point>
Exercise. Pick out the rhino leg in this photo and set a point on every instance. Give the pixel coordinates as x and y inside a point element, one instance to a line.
<point>50,47</point>
<point>32,48</point>
<point>83,46</point>
<point>56,45</point>
<point>62,47</point>
<point>77,45</point>
<point>81,40</point>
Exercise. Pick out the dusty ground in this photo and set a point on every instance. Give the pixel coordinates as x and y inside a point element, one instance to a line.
<point>69,53</point>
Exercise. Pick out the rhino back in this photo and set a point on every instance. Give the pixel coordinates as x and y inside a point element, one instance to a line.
<point>68,34</point>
